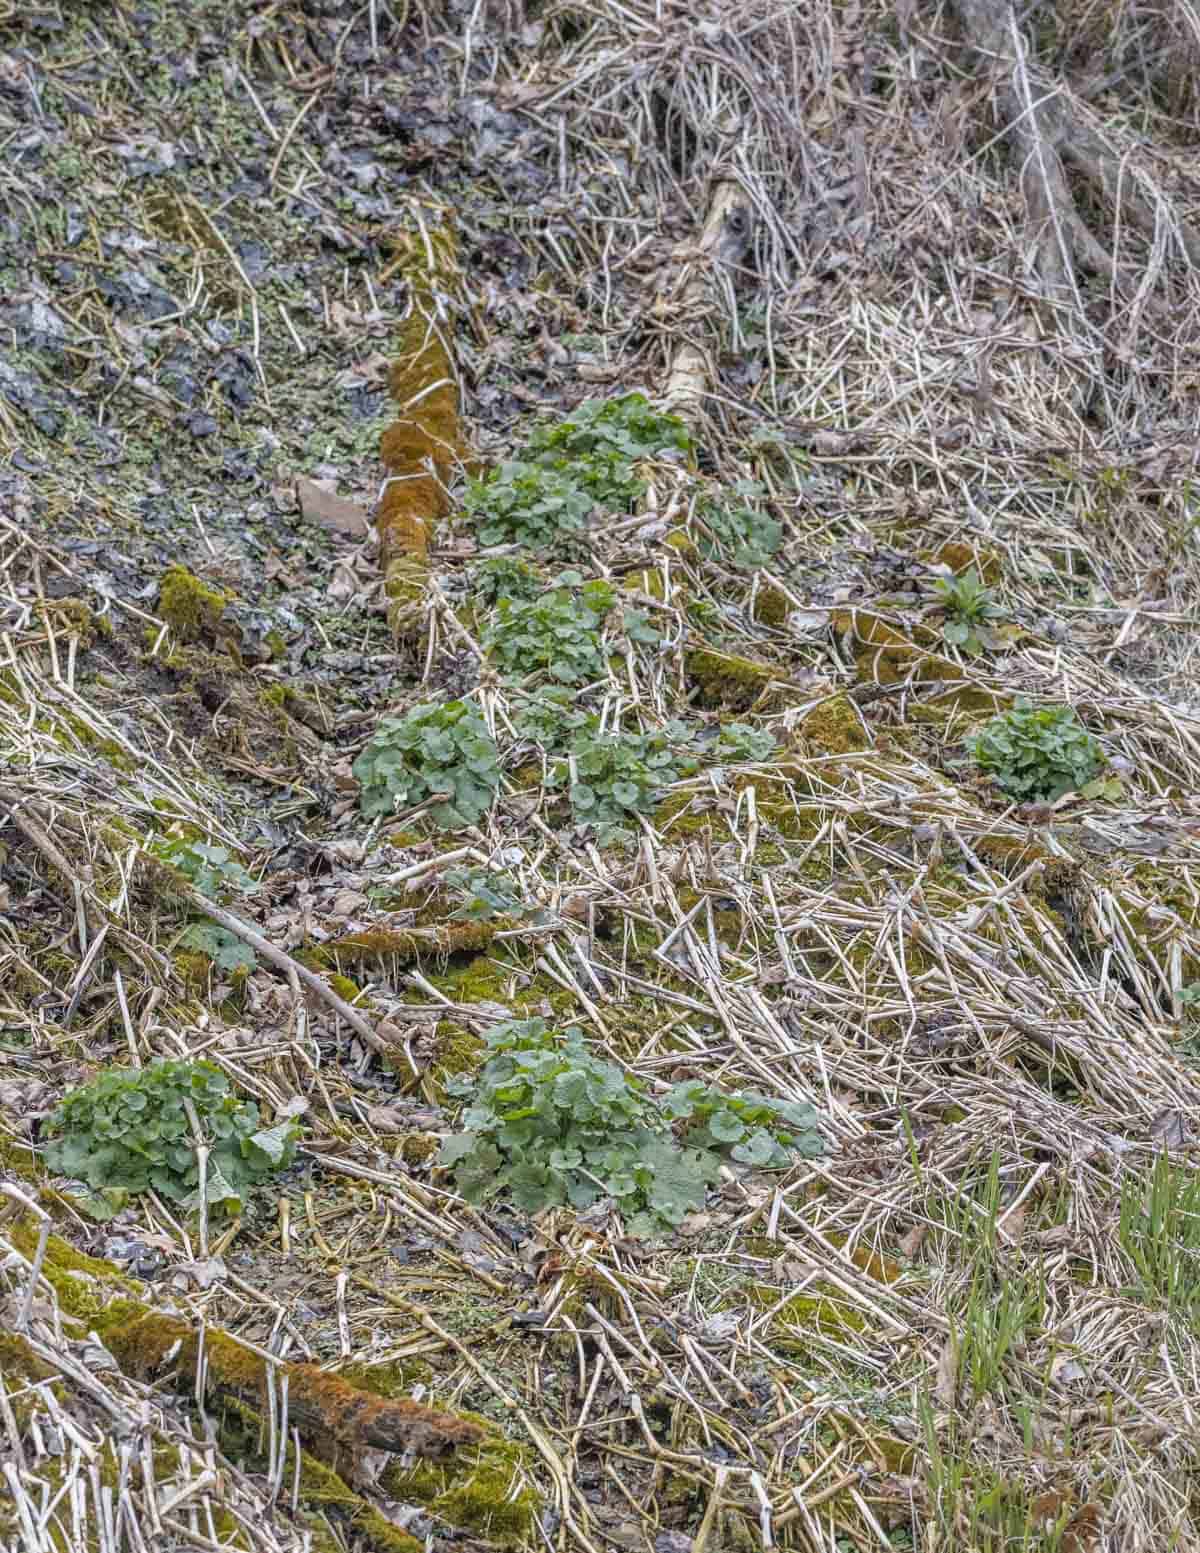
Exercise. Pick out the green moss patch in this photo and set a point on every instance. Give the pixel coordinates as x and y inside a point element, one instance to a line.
<point>191,608</point>
<point>727,681</point>
<point>488,1490</point>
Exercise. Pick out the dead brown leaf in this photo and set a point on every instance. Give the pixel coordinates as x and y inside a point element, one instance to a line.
<point>1082,1534</point>
<point>332,511</point>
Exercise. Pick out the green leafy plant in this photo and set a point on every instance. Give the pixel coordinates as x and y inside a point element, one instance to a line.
<point>551,717</point>
<point>550,1124</point>
<point>213,870</point>
<point>129,1130</point>
<point>557,633</point>
<point>612,777</point>
<point>528,504</point>
<point>600,441</point>
<point>755,1129</point>
<point>625,426</point>
<point>432,749</point>
<point>1039,753</point>
<point>225,949</point>
<point>486,893</point>
<point>636,623</point>
<point>734,742</point>
<point>969,610</point>
<point>738,532</point>
<point>504,577</point>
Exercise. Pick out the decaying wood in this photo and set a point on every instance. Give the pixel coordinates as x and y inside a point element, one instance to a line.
<point>725,240</point>
<point>154,1346</point>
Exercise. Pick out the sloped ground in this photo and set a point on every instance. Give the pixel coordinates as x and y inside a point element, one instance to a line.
<point>974,1322</point>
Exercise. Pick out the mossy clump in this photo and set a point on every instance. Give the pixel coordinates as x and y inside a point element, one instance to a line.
<point>885,655</point>
<point>813,1311</point>
<point>456,1051</point>
<point>424,444</point>
<point>727,920</point>
<point>929,716</point>
<point>384,945</point>
<point>349,991</point>
<point>684,816</point>
<point>835,727</point>
<point>647,580</point>
<point>913,665</point>
<point>958,557</point>
<point>866,628</point>
<point>679,540</point>
<point>193,969</point>
<point>1009,855</point>
<point>190,607</point>
<point>397,1378</point>
<point>288,705</point>
<point>19,1362</point>
<point>487,1490</point>
<point>798,822</point>
<point>61,1257</point>
<point>405,581</point>
<point>89,1290</point>
<point>771,605</point>
<point>726,681</point>
<point>487,979</point>
<point>20,1159</point>
<point>143,1340</point>
<point>1164,889</point>
<point>418,1148</point>
<point>341,1419</point>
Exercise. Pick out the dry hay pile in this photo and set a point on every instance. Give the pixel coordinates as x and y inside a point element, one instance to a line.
<point>975,1322</point>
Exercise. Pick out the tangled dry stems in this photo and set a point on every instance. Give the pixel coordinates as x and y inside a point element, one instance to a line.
<point>968,994</point>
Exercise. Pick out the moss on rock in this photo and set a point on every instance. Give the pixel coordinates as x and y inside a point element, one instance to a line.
<point>835,727</point>
<point>191,608</point>
<point>724,680</point>
<point>771,605</point>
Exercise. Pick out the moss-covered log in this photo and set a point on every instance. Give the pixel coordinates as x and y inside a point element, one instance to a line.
<point>424,445</point>
<point>152,1345</point>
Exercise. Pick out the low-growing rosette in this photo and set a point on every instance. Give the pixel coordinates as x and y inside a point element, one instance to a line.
<point>129,1130</point>
<point>445,749</point>
<point>548,1124</point>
